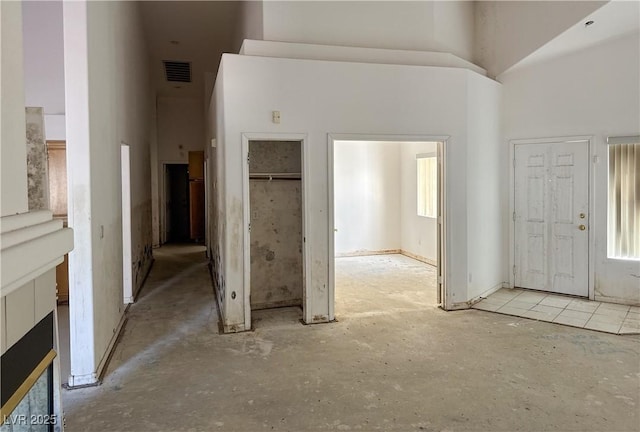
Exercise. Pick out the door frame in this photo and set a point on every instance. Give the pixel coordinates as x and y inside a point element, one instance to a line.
<point>444,300</point>
<point>163,197</point>
<point>246,219</point>
<point>127,253</point>
<point>587,140</point>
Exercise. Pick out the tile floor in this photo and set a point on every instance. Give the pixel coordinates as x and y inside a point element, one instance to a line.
<point>575,312</point>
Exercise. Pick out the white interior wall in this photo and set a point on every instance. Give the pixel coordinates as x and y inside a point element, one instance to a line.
<point>13,160</point>
<point>366,196</point>
<point>453,27</point>
<point>486,215</point>
<point>418,233</point>
<point>591,92</point>
<point>180,129</point>
<point>294,50</point>
<point>346,98</point>
<point>107,98</point>
<point>44,63</point>
<point>250,23</point>
<point>405,25</point>
<point>508,31</point>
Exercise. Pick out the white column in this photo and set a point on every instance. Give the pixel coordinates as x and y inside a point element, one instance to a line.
<point>81,315</point>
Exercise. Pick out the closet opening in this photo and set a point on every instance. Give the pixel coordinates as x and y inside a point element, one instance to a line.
<point>275,234</point>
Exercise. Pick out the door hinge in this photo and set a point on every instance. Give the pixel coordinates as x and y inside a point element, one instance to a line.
<point>248,159</point>
<point>249,226</point>
<point>514,270</point>
<point>440,280</point>
<point>514,216</point>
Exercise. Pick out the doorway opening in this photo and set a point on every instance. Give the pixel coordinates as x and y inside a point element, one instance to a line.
<point>177,203</point>
<point>274,247</point>
<point>387,226</point>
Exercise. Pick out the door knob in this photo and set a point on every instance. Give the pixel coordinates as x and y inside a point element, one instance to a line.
<point>582,215</point>
<point>582,227</point>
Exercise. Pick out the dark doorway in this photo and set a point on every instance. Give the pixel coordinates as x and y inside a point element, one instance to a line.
<point>177,187</point>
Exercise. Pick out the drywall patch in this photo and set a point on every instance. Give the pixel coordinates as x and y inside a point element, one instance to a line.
<point>36,159</point>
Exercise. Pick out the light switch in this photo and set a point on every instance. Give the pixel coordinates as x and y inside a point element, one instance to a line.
<point>276,116</point>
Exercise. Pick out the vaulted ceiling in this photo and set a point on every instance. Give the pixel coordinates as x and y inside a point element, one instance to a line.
<point>197,32</point>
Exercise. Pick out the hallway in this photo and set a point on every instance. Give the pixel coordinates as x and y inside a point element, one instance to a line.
<point>412,370</point>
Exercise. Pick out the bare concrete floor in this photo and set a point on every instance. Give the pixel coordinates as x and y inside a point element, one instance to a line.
<point>417,368</point>
<point>383,284</point>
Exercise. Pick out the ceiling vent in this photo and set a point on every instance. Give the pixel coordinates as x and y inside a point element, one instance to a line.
<point>176,71</point>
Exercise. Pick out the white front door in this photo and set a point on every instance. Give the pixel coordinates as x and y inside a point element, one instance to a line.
<point>551,217</point>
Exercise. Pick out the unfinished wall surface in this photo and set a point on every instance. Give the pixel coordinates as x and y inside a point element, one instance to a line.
<point>508,31</point>
<point>217,202</point>
<point>592,92</point>
<point>37,174</point>
<point>107,103</point>
<point>276,224</point>
<point>422,26</point>
<point>366,197</point>
<point>57,168</point>
<point>418,233</point>
<point>346,98</point>
<point>44,63</point>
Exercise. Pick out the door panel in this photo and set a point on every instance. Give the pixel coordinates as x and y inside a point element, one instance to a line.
<point>196,210</point>
<point>570,192</point>
<point>196,165</point>
<point>531,210</point>
<point>551,203</point>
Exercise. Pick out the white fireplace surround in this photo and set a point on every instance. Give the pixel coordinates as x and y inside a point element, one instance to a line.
<point>30,244</point>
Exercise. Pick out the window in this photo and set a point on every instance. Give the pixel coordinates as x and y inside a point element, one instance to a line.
<point>427,186</point>
<point>624,198</point>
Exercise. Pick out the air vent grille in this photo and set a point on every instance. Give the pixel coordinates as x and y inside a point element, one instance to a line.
<point>176,71</point>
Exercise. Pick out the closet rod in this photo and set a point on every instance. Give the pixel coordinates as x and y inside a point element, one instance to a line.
<point>275,176</point>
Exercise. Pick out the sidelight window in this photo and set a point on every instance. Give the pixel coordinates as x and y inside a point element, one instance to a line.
<point>624,198</point>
